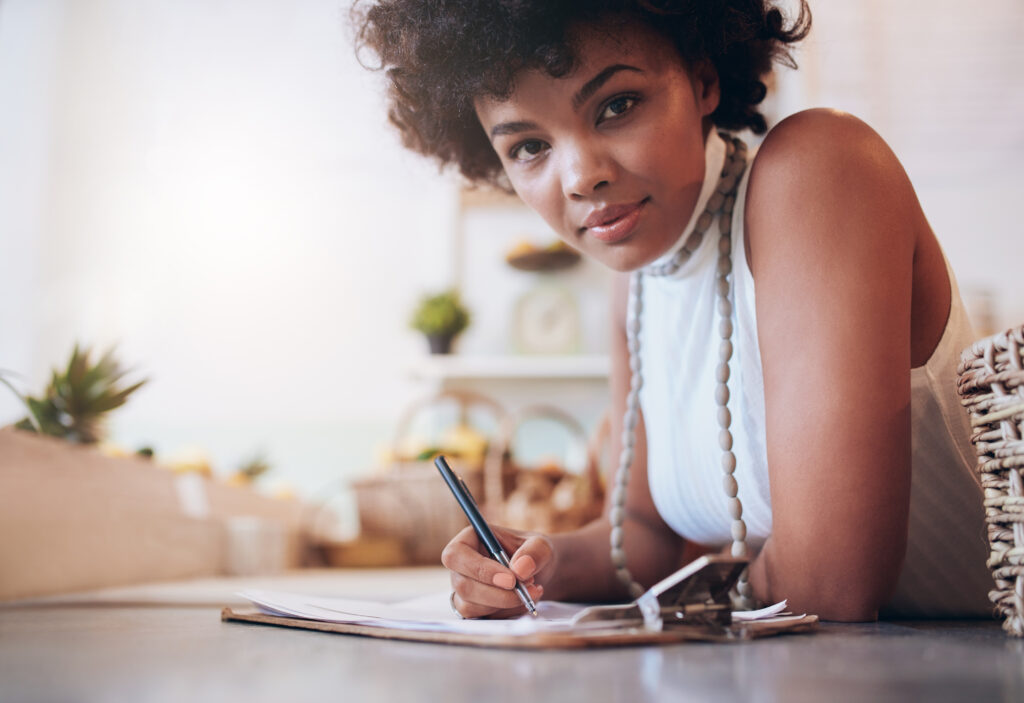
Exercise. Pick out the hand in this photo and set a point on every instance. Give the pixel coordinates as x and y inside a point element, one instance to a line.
<point>485,588</point>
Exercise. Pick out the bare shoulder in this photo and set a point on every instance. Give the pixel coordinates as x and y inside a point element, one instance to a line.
<point>821,139</point>
<point>818,170</point>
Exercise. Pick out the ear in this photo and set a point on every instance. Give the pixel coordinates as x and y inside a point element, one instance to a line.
<point>706,87</point>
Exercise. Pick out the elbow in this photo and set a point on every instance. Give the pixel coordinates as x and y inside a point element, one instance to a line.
<point>836,590</point>
<point>850,610</point>
<point>856,599</point>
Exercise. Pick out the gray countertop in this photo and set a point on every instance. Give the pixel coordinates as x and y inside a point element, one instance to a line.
<point>167,643</point>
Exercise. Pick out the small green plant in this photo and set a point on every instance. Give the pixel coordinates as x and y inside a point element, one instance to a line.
<point>250,470</point>
<point>32,420</point>
<point>442,314</point>
<point>254,467</point>
<point>78,398</point>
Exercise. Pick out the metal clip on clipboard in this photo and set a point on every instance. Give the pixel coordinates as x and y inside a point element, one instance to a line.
<point>696,595</point>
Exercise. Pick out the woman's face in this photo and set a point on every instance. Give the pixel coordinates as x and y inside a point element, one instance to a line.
<point>611,156</point>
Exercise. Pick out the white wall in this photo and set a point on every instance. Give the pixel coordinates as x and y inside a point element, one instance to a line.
<point>213,186</point>
<point>28,58</point>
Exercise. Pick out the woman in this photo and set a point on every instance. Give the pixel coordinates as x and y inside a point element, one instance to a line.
<point>812,426</point>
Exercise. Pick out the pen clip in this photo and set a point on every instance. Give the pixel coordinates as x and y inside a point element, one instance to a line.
<point>466,490</point>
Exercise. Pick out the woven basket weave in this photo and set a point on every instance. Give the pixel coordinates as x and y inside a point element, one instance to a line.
<point>538,499</point>
<point>410,502</point>
<point>991,387</point>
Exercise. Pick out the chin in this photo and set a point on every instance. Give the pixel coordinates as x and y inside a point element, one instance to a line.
<point>624,260</point>
<point>630,254</point>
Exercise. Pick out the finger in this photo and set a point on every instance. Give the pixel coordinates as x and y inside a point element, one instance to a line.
<point>472,610</point>
<point>474,600</point>
<point>510,540</point>
<point>536,593</point>
<point>516,612</point>
<point>468,610</point>
<point>534,554</point>
<point>488,597</point>
<point>468,536</point>
<point>462,557</point>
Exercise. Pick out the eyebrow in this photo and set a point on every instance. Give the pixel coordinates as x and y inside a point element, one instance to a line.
<point>595,83</point>
<point>584,94</point>
<point>512,128</point>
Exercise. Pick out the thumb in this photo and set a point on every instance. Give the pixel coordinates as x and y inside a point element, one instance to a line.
<point>532,556</point>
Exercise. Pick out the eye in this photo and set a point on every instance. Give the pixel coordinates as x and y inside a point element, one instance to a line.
<point>617,107</point>
<point>527,151</point>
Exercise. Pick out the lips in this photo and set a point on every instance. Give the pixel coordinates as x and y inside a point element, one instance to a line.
<point>614,223</point>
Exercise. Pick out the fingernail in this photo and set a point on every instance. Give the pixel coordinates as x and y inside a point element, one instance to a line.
<point>506,581</point>
<point>535,591</point>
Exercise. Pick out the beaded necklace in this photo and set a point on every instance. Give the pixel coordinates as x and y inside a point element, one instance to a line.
<point>720,205</point>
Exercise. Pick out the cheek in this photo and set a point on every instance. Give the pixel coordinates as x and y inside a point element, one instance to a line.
<point>544,198</point>
<point>674,158</point>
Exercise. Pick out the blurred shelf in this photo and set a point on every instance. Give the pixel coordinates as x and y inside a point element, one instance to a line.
<point>485,197</point>
<point>456,366</point>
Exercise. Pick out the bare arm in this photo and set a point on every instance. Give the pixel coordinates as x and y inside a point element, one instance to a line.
<point>833,224</point>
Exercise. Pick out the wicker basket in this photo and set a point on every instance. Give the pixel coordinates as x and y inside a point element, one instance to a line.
<point>991,386</point>
<point>547,499</point>
<point>410,501</point>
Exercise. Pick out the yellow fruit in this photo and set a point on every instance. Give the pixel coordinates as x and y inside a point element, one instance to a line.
<point>113,450</point>
<point>238,479</point>
<point>523,246</point>
<point>190,460</point>
<point>464,441</point>
<point>410,447</point>
<point>282,490</point>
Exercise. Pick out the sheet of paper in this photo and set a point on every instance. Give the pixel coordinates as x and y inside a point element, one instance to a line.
<point>429,613</point>
<point>763,613</point>
<point>433,613</point>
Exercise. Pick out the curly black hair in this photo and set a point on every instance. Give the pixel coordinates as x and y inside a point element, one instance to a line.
<point>440,55</point>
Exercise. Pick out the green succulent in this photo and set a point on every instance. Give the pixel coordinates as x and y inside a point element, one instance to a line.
<point>254,467</point>
<point>31,419</point>
<point>78,398</point>
<point>441,314</point>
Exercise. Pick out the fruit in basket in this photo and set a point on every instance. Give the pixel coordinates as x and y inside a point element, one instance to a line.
<point>550,467</point>
<point>249,471</point>
<point>113,450</point>
<point>410,448</point>
<point>527,256</point>
<point>521,247</point>
<point>463,441</point>
<point>189,460</point>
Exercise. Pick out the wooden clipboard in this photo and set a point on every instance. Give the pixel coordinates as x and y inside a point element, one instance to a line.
<point>618,637</point>
<point>691,605</point>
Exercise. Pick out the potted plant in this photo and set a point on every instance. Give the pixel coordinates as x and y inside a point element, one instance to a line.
<point>441,317</point>
<point>78,398</point>
<point>77,516</point>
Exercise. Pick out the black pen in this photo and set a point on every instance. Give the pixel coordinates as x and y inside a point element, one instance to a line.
<point>461,492</point>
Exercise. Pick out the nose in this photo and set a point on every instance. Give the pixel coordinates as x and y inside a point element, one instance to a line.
<point>587,168</point>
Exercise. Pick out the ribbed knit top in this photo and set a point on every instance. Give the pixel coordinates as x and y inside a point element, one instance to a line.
<point>944,572</point>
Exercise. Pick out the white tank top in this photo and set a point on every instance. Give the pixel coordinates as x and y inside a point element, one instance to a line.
<point>944,572</point>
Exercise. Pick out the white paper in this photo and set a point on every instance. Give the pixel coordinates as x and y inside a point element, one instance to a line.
<point>762,614</point>
<point>433,613</point>
<point>427,613</point>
